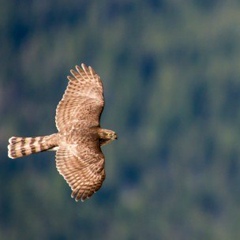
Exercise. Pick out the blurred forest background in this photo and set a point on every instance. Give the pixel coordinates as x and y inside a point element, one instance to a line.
<point>171,71</point>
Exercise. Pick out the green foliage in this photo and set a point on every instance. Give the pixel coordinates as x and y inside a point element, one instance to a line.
<point>172,85</point>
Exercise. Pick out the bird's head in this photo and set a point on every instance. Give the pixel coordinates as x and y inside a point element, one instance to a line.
<point>106,136</point>
<point>109,135</point>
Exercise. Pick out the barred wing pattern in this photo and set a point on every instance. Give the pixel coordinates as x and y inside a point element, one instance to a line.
<point>82,101</point>
<point>79,158</point>
<point>84,173</point>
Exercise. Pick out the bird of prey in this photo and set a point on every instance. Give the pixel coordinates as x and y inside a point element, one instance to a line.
<point>78,142</point>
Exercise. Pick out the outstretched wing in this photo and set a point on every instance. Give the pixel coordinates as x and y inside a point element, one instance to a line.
<point>82,102</point>
<point>82,168</point>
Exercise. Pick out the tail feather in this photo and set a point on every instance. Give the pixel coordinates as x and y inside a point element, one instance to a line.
<point>23,146</point>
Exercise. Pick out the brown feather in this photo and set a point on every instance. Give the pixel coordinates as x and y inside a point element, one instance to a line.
<point>23,146</point>
<point>79,158</point>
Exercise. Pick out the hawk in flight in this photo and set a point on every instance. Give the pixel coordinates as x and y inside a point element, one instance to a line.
<point>78,142</point>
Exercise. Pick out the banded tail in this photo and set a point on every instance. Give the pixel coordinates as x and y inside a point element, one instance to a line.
<point>23,146</point>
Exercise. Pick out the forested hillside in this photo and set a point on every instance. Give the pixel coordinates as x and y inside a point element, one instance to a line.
<point>171,72</point>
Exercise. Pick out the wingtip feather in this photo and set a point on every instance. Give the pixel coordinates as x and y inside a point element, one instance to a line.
<point>92,71</point>
<point>83,65</point>
<point>70,78</point>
